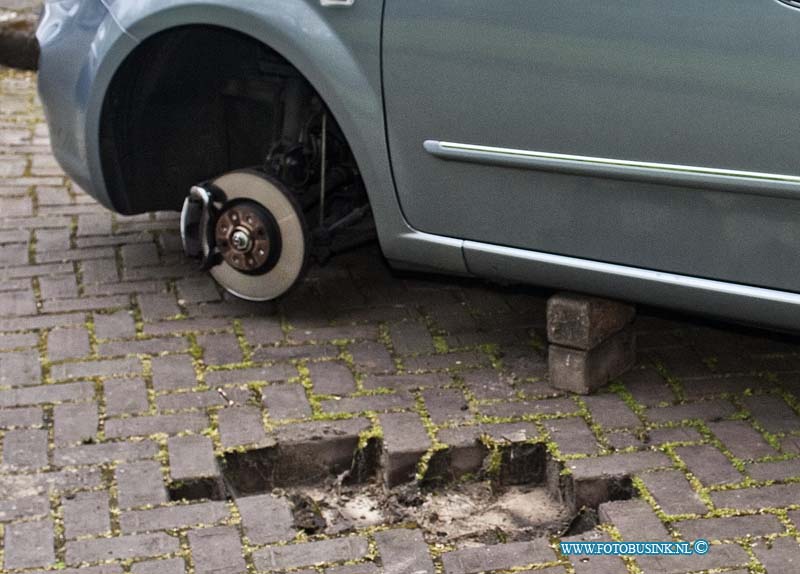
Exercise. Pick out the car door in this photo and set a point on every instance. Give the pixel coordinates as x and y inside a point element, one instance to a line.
<point>650,133</point>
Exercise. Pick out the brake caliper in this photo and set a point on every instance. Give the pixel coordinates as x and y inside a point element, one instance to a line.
<point>198,221</point>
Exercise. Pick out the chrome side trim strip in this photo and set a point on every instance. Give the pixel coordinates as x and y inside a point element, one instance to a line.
<point>757,305</point>
<point>648,275</point>
<point>756,183</point>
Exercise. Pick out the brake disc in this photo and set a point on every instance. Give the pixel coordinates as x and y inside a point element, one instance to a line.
<point>260,237</point>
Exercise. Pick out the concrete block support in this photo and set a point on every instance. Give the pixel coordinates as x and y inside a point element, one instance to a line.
<point>591,341</point>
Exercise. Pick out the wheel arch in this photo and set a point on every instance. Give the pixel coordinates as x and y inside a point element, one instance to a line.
<point>349,86</point>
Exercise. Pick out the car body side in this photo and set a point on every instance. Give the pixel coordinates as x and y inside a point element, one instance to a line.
<point>338,50</point>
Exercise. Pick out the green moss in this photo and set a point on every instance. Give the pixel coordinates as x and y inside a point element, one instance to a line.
<point>440,344</point>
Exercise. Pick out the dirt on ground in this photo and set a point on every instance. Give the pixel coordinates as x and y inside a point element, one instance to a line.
<point>474,512</point>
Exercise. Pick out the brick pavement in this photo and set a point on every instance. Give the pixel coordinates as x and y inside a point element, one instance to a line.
<point>150,423</point>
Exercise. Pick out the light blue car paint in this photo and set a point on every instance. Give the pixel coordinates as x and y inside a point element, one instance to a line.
<point>465,215</point>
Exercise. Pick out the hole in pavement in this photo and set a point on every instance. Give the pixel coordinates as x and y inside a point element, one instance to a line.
<point>472,493</point>
<point>198,489</point>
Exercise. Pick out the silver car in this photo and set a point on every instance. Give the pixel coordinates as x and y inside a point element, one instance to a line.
<point>643,150</point>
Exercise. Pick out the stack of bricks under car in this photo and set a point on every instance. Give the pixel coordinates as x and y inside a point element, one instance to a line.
<point>591,341</point>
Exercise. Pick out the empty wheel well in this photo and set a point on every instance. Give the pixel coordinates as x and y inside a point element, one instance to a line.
<point>192,103</point>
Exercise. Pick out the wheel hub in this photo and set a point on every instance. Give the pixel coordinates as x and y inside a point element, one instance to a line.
<point>243,235</point>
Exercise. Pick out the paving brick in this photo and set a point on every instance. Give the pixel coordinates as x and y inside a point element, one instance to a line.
<point>29,544</point>
<point>778,470</point>
<point>372,358</point>
<point>595,564</point>
<point>295,352</point>
<point>595,479</point>
<point>266,374</point>
<point>47,394</point>
<point>104,453</point>
<point>155,306</point>
<point>673,492</point>
<point>557,406</point>
<point>446,406</point>
<point>310,452</point>
<point>410,338</point>
<point>712,410</point>
<point>343,332</point>
<point>449,361</point>
<point>772,413</point>
<point>18,340</point>
<point>743,499</point>
<point>25,448</point>
<point>139,255</point>
<point>363,568</point>
<point>40,321</point>
<point>117,325</point>
<point>86,513</point>
<point>191,457</point>
<point>52,239</point>
<point>488,384</point>
<point>782,556</point>
<point>203,399</point>
<point>144,426</point>
<point>74,423</point>
<point>68,343</point>
<point>173,517</point>
<point>173,372</point>
<point>85,303</point>
<point>709,465</point>
<point>99,271</point>
<point>49,482</point>
<point>286,401</point>
<point>405,440</point>
<point>790,444</point>
<point>168,566</point>
<point>582,371</point>
<point>17,303</point>
<point>20,369</point>
<point>648,387</point>
<point>331,378</point>
<point>706,388</point>
<point>722,556</point>
<point>742,439</point>
<point>198,289</point>
<point>266,519</point>
<point>125,396</point>
<point>572,435</point>
<point>94,224</point>
<point>140,483</point>
<point>153,346</point>
<point>497,557</point>
<point>310,553</point>
<point>217,550</point>
<point>674,434</point>
<point>404,551</point>
<point>373,403</point>
<point>60,287</point>
<point>634,519</point>
<point>239,426</point>
<point>24,507</point>
<point>610,411</point>
<point>730,527</point>
<point>406,382</point>
<point>220,349</point>
<point>22,417</point>
<point>262,330</point>
<point>120,547</point>
<point>510,432</point>
<point>582,322</point>
<point>102,368</point>
<point>622,439</point>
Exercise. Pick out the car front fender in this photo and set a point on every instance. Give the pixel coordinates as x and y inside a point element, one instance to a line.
<point>338,49</point>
